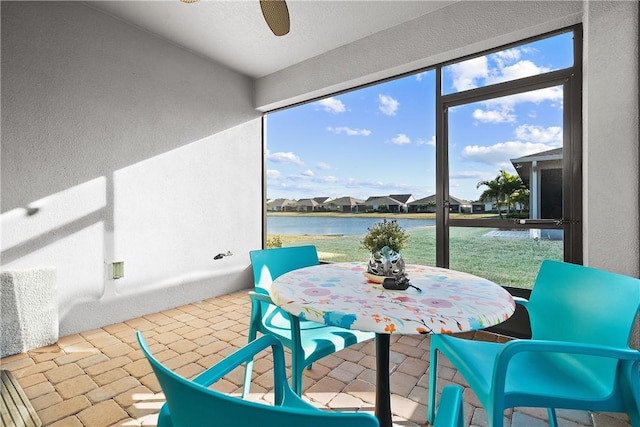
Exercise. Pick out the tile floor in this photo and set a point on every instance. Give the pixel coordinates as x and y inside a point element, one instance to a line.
<point>101,378</point>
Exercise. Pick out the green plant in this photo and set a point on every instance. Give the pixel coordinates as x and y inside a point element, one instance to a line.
<point>518,215</point>
<point>385,233</point>
<point>274,242</point>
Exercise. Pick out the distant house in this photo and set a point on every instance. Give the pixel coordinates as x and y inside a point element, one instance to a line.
<point>307,205</point>
<point>281,205</point>
<point>428,204</point>
<point>322,200</point>
<point>344,204</point>
<point>541,173</point>
<point>323,203</point>
<point>405,199</point>
<point>424,205</point>
<point>384,203</point>
<point>481,207</point>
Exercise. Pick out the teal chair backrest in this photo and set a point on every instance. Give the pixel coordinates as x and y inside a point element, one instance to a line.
<point>269,264</point>
<point>574,303</point>
<point>579,304</point>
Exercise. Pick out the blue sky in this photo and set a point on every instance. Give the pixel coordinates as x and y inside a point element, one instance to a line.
<point>380,140</point>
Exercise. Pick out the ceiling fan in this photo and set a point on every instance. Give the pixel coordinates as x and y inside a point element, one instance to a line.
<point>275,13</point>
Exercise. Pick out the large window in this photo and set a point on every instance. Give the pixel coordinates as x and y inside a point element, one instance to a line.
<point>338,165</point>
<point>478,159</point>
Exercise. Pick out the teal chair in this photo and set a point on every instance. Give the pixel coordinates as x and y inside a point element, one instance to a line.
<point>192,403</point>
<point>308,341</point>
<point>578,357</point>
<point>450,410</point>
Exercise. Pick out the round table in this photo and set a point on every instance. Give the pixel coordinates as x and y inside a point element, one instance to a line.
<point>340,294</point>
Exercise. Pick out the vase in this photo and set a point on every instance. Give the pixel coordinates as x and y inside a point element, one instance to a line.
<point>386,263</point>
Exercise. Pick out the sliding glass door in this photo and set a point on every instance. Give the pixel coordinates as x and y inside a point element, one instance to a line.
<point>516,137</point>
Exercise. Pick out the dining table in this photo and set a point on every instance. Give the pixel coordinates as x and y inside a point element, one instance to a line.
<point>439,301</point>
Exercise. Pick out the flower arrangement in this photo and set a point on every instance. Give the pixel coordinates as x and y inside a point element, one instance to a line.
<point>385,233</point>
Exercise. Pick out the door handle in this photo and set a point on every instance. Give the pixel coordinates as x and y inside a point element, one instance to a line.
<point>525,221</point>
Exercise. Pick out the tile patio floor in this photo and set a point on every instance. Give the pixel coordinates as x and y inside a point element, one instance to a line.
<point>101,378</point>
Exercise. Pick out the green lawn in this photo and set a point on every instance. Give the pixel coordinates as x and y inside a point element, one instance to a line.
<point>507,261</point>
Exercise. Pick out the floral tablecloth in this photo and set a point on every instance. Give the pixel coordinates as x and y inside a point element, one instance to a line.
<point>339,294</point>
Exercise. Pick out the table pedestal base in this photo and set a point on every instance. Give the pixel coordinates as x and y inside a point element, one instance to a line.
<point>383,389</point>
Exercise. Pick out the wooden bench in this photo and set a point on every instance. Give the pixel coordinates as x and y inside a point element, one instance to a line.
<point>15,408</point>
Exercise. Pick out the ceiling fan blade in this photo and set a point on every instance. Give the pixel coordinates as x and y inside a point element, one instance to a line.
<point>276,13</point>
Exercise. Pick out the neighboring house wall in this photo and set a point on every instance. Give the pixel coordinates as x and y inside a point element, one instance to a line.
<point>480,208</point>
<point>610,107</point>
<point>127,145</point>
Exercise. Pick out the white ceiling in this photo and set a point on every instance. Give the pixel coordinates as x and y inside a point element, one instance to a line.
<point>234,33</point>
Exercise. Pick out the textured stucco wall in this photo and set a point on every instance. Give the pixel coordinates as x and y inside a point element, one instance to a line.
<point>118,146</point>
<point>611,136</point>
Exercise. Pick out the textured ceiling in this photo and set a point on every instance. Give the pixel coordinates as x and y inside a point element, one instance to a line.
<point>234,33</point>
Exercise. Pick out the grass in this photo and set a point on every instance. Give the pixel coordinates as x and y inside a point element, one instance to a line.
<point>507,261</point>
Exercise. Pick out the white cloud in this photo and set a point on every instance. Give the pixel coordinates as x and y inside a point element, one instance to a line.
<point>349,131</point>
<point>309,177</point>
<point>368,188</point>
<point>515,71</point>
<point>328,179</point>
<point>500,154</point>
<point>499,67</point>
<point>553,94</point>
<point>548,135</point>
<point>465,75</point>
<point>282,157</point>
<point>503,115</point>
<point>388,105</point>
<point>536,96</point>
<point>505,56</point>
<point>332,105</point>
<point>401,139</point>
<point>273,174</point>
<point>419,76</point>
<point>473,175</point>
<point>297,178</point>
<point>323,166</point>
<point>431,142</point>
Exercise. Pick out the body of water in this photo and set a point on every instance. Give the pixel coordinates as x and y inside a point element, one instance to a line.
<point>328,226</point>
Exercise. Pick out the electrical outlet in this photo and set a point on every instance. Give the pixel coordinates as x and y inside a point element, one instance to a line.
<point>118,270</point>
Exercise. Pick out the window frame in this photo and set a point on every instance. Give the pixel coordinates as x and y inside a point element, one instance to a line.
<point>571,80</point>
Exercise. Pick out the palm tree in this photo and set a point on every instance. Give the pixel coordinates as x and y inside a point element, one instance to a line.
<point>493,192</point>
<point>501,189</point>
<point>511,185</point>
<point>522,198</point>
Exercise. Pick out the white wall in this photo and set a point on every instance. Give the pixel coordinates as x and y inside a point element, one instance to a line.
<point>611,159</point>
<point>611,136</point>
<point>130,149</point>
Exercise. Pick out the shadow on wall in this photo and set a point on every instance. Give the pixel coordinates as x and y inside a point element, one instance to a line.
<point>229,281</point>
<point>67,229</point>
<point>161,216</point>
